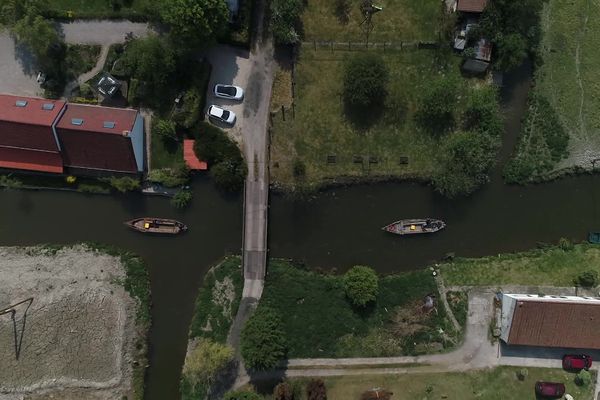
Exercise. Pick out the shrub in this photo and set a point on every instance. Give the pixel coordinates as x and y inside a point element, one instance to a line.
<point>71,179</point>
<point>206,361</point>
<point>361,285</point>
<point>315,390</point>
<point>299,168</point>
<point>170,177</point>
<point>522,374</point>
<point>124,183</point>
<point>365,80</point>
<point>93,189</point>
<point>587,279</point>
<point>164,128</point>
<point>263,340</point>
<point>565,244</point>
<point>285,19</point>
<point>583,378</point>
<point>189,114</point>
<point>436,109</point>
<point>182,199</point>
<point>242,395</point>
<point>283,391</point>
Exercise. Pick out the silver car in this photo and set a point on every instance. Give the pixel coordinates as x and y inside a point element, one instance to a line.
<point>229,92</point>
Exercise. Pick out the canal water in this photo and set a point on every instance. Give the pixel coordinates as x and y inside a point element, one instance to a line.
<point>338,228</point>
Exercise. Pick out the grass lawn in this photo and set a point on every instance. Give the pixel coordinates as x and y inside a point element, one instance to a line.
<point>218,301</point>
<point>100,8</point>
<point>321,127</point>
<point>552,266</point>
<point>319,321</point>
<point>497,384</point>
<point>569,78</point>
<point>165,152</point>
<point>400,20</point>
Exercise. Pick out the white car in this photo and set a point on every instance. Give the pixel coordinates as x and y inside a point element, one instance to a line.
<point>221,114</point>
<point>229,92</point>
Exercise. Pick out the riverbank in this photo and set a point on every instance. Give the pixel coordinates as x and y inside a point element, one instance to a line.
<point>81,331</point>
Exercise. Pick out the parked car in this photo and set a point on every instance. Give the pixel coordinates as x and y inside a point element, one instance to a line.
<point>549,390</point>
<point>229,92</point>
<point>576,362</point>
<point>41,78</point>
<point>220,114</point>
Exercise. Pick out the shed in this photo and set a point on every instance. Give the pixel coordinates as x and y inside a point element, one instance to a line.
<point>189,156</point>
<point>471,6</point>
<point>475,66</point>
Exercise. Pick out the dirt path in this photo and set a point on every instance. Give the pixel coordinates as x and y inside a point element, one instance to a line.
<point>75,337</point>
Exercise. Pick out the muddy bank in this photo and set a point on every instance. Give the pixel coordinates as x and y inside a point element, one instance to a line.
<point>74,333</point>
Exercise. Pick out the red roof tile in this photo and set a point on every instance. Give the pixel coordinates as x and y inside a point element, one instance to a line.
<point>190,156</point>
<point>476,6</point>
<point>32,113</point>
<point>30,160</point>
<point>94,117</point>
<point>92,150</point>
<point>26,136</point>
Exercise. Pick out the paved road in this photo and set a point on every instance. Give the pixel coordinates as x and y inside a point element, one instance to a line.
<point>17,70</point>
<point>101,32</point>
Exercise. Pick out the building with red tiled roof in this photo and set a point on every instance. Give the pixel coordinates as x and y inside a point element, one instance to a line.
<point>471,6</point>
<point>190,158</point>
<point>102,139</point>
<point>28,139</point>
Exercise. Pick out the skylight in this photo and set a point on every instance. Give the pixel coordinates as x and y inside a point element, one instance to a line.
<point>109,124</point>
<point>76,121</point>
<point>48,106</point>
<point>21,103</point>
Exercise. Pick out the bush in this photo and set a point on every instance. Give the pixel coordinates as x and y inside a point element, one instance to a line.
<point>164,128</point>
<point>565,244</point>
<point>365,80</point>
<point>285,20</point>
<point>436,109</point>
<point>588,279</point>
<point>213,145</point>
<point>206,361</point>
<point>283,391</point>
<point>315,390</point>
<point>182,199</point>
<point>522,374</point>
<point>124,183</point>
<point>361,285</point>
<point>263,340</point>
<point>230,175</point>
<point>583,378</point>
<point>299,168</point>
<point>242,395</point>
<point>189,114</point>
<point>170,177</point>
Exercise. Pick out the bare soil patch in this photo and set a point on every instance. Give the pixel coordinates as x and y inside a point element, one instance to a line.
<point>75,338</point>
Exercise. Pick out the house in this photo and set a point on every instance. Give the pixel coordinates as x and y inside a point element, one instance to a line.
<point>550,321</point>
<point>471,6</point>
<point>53,136</point>
<point>28,139</point>
<point>101,139</point>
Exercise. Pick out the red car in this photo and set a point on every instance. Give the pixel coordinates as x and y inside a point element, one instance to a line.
<point>576,362</point>
<point>549,390</point>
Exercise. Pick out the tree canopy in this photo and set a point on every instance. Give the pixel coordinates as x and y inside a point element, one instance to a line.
<point>206,361</point>
<point>263,340</point>
<point>194,23</point>
<point>285,19</point>
<point>361,284</point>
<point>436,108</point>
<point>365,80</point>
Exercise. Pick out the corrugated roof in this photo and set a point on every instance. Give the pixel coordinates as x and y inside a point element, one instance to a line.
<point>26,136</point>
<point>555,324</point>
<point>32,113</point>
<point>94,118</point>
<point>30,160</point>
<point>190,158</point>
<point>471,5</point>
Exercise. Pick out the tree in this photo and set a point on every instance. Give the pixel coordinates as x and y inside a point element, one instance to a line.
<point>152,62</point>
<point>436,109</point>
<point>466,159</point>
<point>587,279</point>
<point>365,80</point>
<point>263,340</point>
<point>283,391</point>
<point>170,177</point>
<point>195,23</point>
<point>361,285</point>
<point>316,390</point>
<point>213,145</point>
<point>164,128</point>
<point>39,35</point>
<point>230,175</point>
<point>511,50</point>
<point>11,11</point>
<point>206,361</point>
<point>482,113</point>
<point>242,395</point>
<point>285,18</point>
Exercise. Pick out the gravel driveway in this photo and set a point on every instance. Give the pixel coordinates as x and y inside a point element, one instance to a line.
<point>17,73</point>
<point>102,32</point>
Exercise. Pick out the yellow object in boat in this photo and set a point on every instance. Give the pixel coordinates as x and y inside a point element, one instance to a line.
<point>146,225</point>
<point>412,227</point>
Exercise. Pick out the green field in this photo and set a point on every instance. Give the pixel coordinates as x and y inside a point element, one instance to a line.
<point>552,266</point>
<point>400,20</point>
<point>497,384</point>
<point>319,321</point>
<point>569,79</point>
<point>321,127</point>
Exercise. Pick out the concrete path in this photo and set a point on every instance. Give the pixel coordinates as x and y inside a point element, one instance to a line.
<point>17,69</point>
<point>102,32</point>
<point>88,75</point>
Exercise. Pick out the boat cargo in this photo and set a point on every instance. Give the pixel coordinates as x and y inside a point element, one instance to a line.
<point>415,226</point>
<point>157,225</point>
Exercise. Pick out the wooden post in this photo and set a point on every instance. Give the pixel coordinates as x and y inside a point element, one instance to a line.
<point>331,42</point>
<point>283,112</point>
<point>349,48</point>
<point>293,110</point>
<point>315,43</point>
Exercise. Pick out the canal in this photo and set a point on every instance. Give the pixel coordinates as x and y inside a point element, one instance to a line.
<point>338,228</point>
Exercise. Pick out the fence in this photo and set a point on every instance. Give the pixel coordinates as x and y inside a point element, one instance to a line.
<point>357,46</point>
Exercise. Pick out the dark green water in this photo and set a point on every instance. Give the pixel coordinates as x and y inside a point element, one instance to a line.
<point>339,228</point>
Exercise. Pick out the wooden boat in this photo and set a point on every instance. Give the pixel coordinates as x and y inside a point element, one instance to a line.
<point>415,226</point>
<point>594,237</point>
<point>157,225</point>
